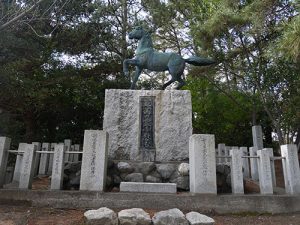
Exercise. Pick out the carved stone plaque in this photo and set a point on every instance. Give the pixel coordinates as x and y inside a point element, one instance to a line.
<point>147,144</point>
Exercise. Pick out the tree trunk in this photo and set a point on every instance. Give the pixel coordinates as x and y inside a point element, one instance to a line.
<point>29,120</point>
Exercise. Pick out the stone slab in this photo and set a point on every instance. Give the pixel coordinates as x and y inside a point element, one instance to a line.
<point>202,158</point>
<point>265,172</point>
<point>94,160</point>
<point>27,168</point>
<point>18,163</point>
<point>246,169</point>
<point>57,167</point>
<point>253,163</point>
<point>291,168</point>
<point>4,147</point>
<point>148,187</point>
<point>237,184</point>
<point>257,137</point>
<point>172,123</point>
<point>37,158</point>
<point>44,159</point>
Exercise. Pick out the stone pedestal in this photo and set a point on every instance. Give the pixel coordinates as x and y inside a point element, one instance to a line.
<point>291,168</point>
<point>27,168</point>
<point>202,158</point>
<point>57,167</point>
<point>148,125</point>
<point>4,147</point>
<point>265,172</point>
<point>237,184</point>
<point>94,160</point>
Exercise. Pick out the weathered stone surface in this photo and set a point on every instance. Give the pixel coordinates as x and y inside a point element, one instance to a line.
<point>146,167</point>
<point>103,216</point>
<point>168,217</point>
<point>125,167</point>
<point>184,169</point>
<point>152,179</point>
<point>135,216</point>
<point>148,187</point>
<point>166,170</point>
<point>196,218</point>
<point>173,123</point>
<point>183,182</point>
<point>134,177</point>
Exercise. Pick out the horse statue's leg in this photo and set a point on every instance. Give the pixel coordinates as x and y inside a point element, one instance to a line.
<point>168,83</point>
<point>181,83</point>
<point>127,62</point>
<point>138,72</point>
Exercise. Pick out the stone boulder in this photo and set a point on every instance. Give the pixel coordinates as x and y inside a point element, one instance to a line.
<point>196,218</point>
<point>184,169</point>
<point>103,216</point>
<point>134,216</point>
<point>183,183</point>
<point>134,177</point>
<point>166,170</point>
<point>146,167</point>
<point>168,217</point>
<point>152,179</point>
<point>125,167</point>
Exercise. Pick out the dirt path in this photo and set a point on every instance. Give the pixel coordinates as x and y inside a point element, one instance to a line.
<point>24,215</point>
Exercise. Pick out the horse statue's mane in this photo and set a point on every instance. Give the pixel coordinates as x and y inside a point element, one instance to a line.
<point>147,58</point>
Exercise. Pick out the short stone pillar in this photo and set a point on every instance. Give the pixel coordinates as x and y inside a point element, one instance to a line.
<point>94,160</point>
<point>27,168</point>
<point>37,158</point>
<point>291,169</point>
<point>265,173</point>
<point>257,136</point>
<point>202,159</point>
<point>58,167</point>
<point>221,151</point>
<point>51,155</point>
<point>76,156</point>
<point>246,171</point>
<point>4,147</point>
<point>19,161</point>
<point>253,163</point>
<point>44,159</point>
<point>271,153</point>
<point>68,144</point>
<point>237,184</point>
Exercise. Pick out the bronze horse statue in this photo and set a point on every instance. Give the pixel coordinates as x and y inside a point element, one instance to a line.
<point>147,58</point>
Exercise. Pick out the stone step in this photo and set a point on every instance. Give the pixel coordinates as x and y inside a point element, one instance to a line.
<point>148,187</point>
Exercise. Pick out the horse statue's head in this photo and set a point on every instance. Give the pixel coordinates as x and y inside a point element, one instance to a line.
<point>137,33</point>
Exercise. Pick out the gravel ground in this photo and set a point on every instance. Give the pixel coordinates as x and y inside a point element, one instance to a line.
<point>24,215</point>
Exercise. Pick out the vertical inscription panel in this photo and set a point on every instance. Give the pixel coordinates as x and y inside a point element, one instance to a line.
<point>147,121</point>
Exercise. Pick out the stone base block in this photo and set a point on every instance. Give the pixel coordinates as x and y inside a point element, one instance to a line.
<point>148,187</point>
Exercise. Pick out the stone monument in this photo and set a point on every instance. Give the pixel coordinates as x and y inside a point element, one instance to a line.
<point>150,125</point>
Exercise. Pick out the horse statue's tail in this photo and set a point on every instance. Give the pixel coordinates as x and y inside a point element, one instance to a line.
<point>198,61</point>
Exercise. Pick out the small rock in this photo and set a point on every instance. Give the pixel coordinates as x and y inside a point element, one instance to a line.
<point>195,218</point>
<point>134,216</point>
<point>75,181</point>
<point>146,167</point>
<point>108,181</point>
<point>166,170</point>
<point>152,179</point>
<point>183,182</point>
<point>168,217</point>
<point>134,177</point>
<point>104,216</point>
<point>125,167</point>
<point>184,169</point>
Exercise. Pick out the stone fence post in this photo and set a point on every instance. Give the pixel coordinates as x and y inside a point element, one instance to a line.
<point>291,169</point>
<point>221,151</point>
<point>237,184</point>
<point>44,159</point>
<point>94,160</point>
<point>253,163</point>
<point>19,161</point>
<point>4,147</point>
<point>265,172</point>
<point>202,158</point>
<point>27,168</point>
<point>246,171</point>
<point>58,167</point>
<point>37,158</point>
